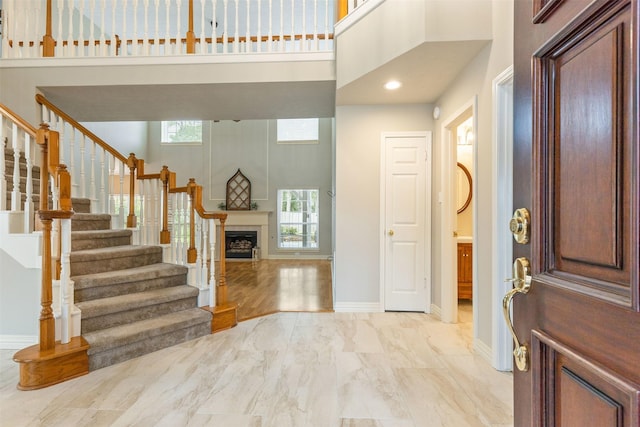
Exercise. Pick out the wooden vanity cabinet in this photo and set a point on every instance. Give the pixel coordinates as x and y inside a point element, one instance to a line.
<point>465,271</point>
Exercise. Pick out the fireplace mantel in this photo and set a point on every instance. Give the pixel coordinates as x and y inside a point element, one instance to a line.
<point>236,220</point>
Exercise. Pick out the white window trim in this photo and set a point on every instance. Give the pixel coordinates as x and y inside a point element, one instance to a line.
<point>278,222</point>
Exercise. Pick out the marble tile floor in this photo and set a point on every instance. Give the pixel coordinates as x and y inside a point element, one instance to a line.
<point>285,369</point>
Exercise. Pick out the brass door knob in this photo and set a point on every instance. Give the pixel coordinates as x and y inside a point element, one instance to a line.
<point>391,233</point>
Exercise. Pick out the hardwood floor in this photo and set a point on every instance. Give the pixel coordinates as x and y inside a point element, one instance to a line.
<point>270,286</point>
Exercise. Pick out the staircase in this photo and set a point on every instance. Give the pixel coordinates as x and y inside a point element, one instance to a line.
<point>131,302</point>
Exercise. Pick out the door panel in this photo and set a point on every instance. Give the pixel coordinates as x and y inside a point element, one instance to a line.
<point>576,157</point>
<point>405,185</point>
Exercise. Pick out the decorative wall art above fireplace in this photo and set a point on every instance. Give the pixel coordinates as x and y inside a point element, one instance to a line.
<point>238,193</point>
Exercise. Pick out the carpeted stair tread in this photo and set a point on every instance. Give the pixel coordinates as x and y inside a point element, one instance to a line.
<point>88,221</point>
<point>81,205</point>
<point>145,329</point>
<point>127,302</point>
<point>113,258</point>
<point>132,280</point>
<point>94,239</point>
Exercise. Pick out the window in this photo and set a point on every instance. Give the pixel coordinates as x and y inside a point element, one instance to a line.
<point>298,219</point>
<point>298,131</point>
<point>182,132</point>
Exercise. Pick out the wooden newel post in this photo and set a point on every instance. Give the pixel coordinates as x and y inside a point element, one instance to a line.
<point>192,253</point>
<point>41,140</point>
<point>165,235</point>
<point>47,322</point>
<point>132,163</point>
<point>64,186</point>
<point>343,9</point>
<point>48,43</point>
<point>191,36</point>
<point>221,289</point>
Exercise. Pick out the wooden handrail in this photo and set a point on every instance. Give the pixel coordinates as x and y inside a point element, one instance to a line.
<point>44,101</point>
<point>22,124</point>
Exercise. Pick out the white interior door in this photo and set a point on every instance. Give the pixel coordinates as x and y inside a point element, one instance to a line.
<point>405,222</point>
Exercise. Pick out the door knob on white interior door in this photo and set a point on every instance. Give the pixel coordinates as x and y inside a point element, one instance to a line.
<point>391,233</point>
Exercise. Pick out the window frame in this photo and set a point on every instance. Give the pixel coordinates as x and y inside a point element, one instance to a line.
<point>304,223</point>
<point>300,138</point>
<point>164,136</point>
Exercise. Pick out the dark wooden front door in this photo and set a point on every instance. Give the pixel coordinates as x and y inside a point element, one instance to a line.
<point>576,170</point>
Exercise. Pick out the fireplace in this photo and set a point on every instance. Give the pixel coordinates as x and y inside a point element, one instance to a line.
<point>240,244</point>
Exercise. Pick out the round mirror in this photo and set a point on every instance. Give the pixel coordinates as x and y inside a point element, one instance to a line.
<point>463,187</point>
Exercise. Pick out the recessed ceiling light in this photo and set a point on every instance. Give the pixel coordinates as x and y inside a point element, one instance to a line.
<point>392,85</point>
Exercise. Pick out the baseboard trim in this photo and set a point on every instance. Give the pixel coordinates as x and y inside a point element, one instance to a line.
<point>436,311</point>
<point>357,307</point>
<point>17,342</point>
<point>483,350</point>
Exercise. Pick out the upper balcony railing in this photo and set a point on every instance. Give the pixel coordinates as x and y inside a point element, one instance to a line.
<point>109,28</point>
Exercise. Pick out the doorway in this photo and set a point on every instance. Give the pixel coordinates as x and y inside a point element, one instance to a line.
<point>458,166</point>
<point>405,221</point>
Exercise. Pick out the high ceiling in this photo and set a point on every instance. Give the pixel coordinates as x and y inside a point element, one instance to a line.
<point>425,73</point>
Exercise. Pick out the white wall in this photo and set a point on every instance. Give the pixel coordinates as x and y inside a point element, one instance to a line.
<point>126,137</point>
<point>358,133</point>
<point>19,303</point>
<point>477,80</point>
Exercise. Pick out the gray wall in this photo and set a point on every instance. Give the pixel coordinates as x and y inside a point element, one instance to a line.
<point>251,146</point>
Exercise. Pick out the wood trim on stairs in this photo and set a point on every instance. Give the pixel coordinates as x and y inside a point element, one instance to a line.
<point>39,369</point>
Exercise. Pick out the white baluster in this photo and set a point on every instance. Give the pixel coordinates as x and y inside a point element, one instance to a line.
<point>103,38</point>
<point>292,44</point>
<point>198,244</point>
<point>92,34</point>
<point>28,203</point>
<point>125,47</point>
<point>8,11</point>
<point>81,51</point>
<point>236,38</point>
<point>92,179</point>
<point>225,38</point>
<point>180,229</point>
<point>167,37</point>
<point>66,300</point>
<point>247,44</point>
<point>259,26</point>
<point>158,212</point>
<point>202,48</point>
<point>214,26</point>
<point>83,177</point>
<point>304,26</point>
<point>315,24</point>
<point>145,38</point>
<point>113,39</point>
<point>15,194</point>
<point>212,264</point>
<point>3,166</point>
<point>70,51</point>
<point>111,162</point>
<point>156,33</point>
<point>326,25</point>
<point>178,47</point>
<point>270,35</point>
<point>103,202</point>
<point>59,41</point>
<point>134,45</point>
<point>281,44</point>
<point>121,212</point>
<point>29,35</point>
<point>171,208</point>
<point>203,252</point>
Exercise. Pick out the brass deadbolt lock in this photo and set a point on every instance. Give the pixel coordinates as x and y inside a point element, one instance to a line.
<point>520,225</point>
